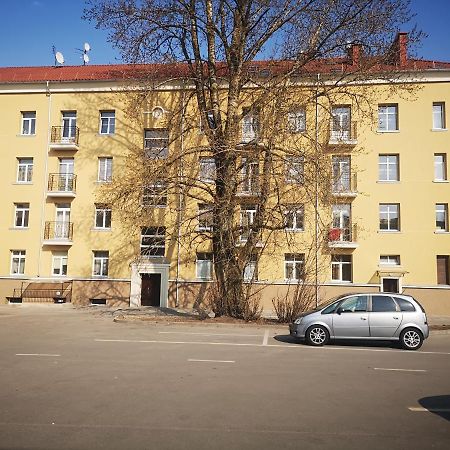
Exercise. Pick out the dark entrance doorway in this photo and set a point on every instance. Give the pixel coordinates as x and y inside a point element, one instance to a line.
<point>150,289</point>
<point>390,285</point>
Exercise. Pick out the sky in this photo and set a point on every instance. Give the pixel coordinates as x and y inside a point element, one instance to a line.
<point>30,28</point>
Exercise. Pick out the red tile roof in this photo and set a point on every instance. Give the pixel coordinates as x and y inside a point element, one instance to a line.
<point>166,71</point>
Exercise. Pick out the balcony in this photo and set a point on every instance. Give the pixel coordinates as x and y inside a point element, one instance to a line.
<point>58,233</point>
<point>62,185</point>
<point>64,138</point>
<point>345,185</point>
<point>343,135</point>
<point>343,237</point>
<point>248,186</point>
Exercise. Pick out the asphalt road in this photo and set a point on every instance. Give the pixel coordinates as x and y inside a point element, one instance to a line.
<point>70,379</point>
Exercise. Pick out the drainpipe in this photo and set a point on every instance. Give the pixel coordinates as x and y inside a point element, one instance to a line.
<point>44,190</point>
<point>316,195</point>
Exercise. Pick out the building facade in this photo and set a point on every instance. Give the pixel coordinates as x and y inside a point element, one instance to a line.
<point>66,132</point>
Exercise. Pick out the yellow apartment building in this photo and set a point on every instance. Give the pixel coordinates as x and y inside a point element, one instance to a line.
<point>66,133</point>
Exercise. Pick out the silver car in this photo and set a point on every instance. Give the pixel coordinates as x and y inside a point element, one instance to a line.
<point>379,316</point>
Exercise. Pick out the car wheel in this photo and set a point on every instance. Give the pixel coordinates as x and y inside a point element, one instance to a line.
<point>317,335</point>
<point>411,339</point>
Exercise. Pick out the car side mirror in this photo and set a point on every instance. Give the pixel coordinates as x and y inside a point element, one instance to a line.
<point>339,311</point>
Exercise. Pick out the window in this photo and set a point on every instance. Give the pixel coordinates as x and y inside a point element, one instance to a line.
<point>441,217</point>
<point>440,167</point>
<point>294,169</point>
<point>28,123</point>
<point>357,303</point>
<point>250,272</point>
<point>380,303</point>
<point>69,126</point>
<point>405,305</point>
<point>388,168</point>
<point>438,116</point>
<point>248,214</point>
<point>205,217</point>
<point>387,117</point>
<point>207,170</point>
<point>59,263</point>
<point>204,266</point>
<point>297,121</point>
<point>211,122</point>
<point>105,166</point>
<point>22,215</point>
<point>153,241</point>
<point>107,122</point>
<point>102,216</point>
<point>17,262</point>
<point>389,217</point>
<point>341,123</point>
<point>389,260</point>
<point>155,195</point>
<point>294,218</point>
<point>341,268</point>
<point>250,125</point>
<point>294,266</point>
<point>100,264</point>
<point>156,143</point>
<point>249,176</point>
<point>341,173</point>
<point>443,276</point>
<point>24,170</point>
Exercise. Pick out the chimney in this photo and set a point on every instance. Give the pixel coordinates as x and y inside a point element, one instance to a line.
<point>355,53</point>
<point>399,49</point>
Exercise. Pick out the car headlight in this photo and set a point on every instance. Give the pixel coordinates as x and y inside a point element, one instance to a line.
<point>298,320</point>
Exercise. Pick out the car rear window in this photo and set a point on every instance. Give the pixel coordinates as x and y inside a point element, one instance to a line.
<point>405,305</point>
<point>381,303</point>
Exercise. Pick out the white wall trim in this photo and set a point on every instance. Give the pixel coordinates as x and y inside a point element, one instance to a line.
<point>136,281</point>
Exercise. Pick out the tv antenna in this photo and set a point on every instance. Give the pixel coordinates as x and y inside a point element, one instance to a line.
<point>84,52</point>
<point>59,58</point>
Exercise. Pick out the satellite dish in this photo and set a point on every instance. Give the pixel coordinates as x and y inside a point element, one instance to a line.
<point>59,57</point>
<point>87,47</point>
<point>85,58</point>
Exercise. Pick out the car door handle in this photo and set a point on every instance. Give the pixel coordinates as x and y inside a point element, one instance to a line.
<point>395,317</point>
<point>363,318</point>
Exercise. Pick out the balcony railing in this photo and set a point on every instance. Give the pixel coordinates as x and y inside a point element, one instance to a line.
<point>345,185</point>
<point>62,184</point>
<point>58,232</point>
<point>343,237</point>
<point>248,185</point>
<point>64,137</point>
<point>343,134</point>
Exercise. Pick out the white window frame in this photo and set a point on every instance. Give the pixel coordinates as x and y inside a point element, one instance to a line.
<point>338,261</point>
<point>295,169</point>
<point>28,125</point>
<point>441,209</point>
<point>389,162</point>
<point>18,258</point>
<point>24,170</point>
<point>389,260</point>
<point>294,263</point>
<point>298,218</point>
<point>155,195</point>
<point>390,210</point>
<point>59,264</point>
<point>387,111</point>
<point>250,272</point>
<point>158,236</point>
<point>440,167</point>
<point>439,116</point>
<point>104,213</point>
<point>204,265</point>
<point>297,120</point>
<point>250,125</point>
<point>207,170</point>
<point>247,214</point>
<point>21,215</point>
<point>107,118</point>
<point>205,217</point>
<point>105,168</point>
<point>100,263</point>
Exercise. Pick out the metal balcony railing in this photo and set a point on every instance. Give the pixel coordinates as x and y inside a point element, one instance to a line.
<point>65,135</point>
<point>62,182</point>
<point>343,133</point>
<point>342,235</point>
<point>58,231</point>
<point>346,183</point>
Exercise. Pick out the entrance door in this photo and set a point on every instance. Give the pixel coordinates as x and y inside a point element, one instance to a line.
<point>69,126</point>
<point>391,285</point>
<point>65,175</point>
<point>340,123</point>
<point>150,289</point>
<point>62,223</point>
<point>341,223</point>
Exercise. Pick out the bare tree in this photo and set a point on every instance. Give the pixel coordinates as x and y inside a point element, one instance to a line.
<point>242,103</point>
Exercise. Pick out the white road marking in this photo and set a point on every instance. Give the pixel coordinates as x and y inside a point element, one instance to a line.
<point>208,334</point>
<point>36,354</point>
<point>266,338</point>
<point>400,370</point>
<point>420,409</point>
<point>210,360</point>
<point>292,346</point>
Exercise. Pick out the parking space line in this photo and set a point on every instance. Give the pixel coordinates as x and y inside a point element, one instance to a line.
<point>266,338</point>
<point>210,360</point>
<point>208,334</point>
<point>36,354</point>
<point>399,370</point>
<point>420,409</point>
